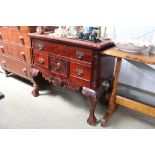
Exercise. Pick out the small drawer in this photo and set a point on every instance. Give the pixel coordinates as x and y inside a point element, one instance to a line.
<point>59,66</point>
<point>77,53</point>
<point>41,59</point>
<point>80,71</point>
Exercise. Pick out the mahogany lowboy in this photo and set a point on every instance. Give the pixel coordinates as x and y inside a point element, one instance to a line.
<point>73,64</point>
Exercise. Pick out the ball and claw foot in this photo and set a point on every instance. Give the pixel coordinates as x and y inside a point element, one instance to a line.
<point>35,93</point>
<point>92,120</point>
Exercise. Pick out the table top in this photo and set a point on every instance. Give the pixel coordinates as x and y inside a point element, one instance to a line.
<point>150,59</point>
<point>88,44</point>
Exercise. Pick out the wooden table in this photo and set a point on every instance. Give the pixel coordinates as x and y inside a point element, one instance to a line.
<point>1,95</point>
<point>119,100</point>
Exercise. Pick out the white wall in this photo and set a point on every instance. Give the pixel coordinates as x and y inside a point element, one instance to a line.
<point>137,76</point>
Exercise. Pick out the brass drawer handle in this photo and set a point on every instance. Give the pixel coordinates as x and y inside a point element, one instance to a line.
<point>41,60</point>
<point>79,71</point>
<point>21,37</point>
<point>79,54</point>
<point>22,53</point>
<point>40,47</point>
<point>2,48</point>
<point>24,70</point>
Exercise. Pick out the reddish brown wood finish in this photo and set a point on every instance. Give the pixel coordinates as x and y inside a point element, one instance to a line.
<point>15,66</point>
<point>15,50</point>
<point>80,71</point>
<point>63,50</point>
<point>73,64</point>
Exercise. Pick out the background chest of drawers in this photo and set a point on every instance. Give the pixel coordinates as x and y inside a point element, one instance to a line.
<point>15,50</point>
<point>73,64</point>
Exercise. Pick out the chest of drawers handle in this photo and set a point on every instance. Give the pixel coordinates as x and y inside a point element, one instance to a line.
<point>41,60</point>
<point>79,71</point>
<point>24,70</point>
<point>40,47</point>
<point>3,63</point>
<point>22,53</point>
<point>2,48</point>
<point>21,37</point>
<point>79,54</point>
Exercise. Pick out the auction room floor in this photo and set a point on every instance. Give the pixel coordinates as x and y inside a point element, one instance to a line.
<point>57,108</point>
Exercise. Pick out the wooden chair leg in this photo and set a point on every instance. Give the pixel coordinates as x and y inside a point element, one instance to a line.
<point>112,104</point>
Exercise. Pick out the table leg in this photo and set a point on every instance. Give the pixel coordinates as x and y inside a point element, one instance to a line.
<point>35,77</point>
<point>93,97</point>
<point>112,104</point>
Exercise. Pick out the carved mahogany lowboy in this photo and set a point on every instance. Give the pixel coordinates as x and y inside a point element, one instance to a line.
<point>73,64</point>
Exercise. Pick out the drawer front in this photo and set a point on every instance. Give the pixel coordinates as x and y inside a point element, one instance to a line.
<point>63,50</point>
<point>80,71</point>
<point>20,52</point>
<point>15,66</point>
<point>20,38</point>
<point>41,59</point>
<point>59,66</point>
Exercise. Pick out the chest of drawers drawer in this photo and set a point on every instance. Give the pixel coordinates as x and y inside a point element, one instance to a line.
<point>20,52</point>
<point>41,59</point>
<point>20,38</point>
<point>80,71</point>
<point>17,67</point>
<point>63,50</point>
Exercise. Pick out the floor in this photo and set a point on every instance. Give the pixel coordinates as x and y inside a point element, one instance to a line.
<point>57,108</point>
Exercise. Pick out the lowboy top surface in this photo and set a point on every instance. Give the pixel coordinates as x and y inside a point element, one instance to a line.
<point>87,44</point>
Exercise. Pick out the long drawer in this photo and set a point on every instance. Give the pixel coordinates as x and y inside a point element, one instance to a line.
<point>20,52</point>
<point>16,37</point>
<point>63,50</point>
<point>16,66</point>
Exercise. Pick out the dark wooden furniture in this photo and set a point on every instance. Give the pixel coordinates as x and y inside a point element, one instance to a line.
<point>73,64</point>
<point>1,95</point>
<point>15,50</point>
<point>119,100</point>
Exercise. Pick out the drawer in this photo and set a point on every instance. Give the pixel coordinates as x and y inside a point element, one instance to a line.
<point>20,52</point>
<point>41,59</point>
<point>59,66</point>
<point>21,68</point>
<point>63,50</point>
<point>80,71</point>
<point>20,38</point>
